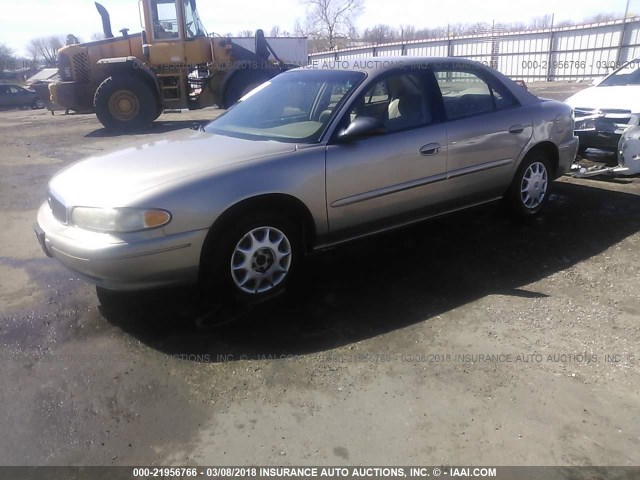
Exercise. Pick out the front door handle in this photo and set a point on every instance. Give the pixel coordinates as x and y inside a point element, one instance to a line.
<point>515,129</point>
<point>430,149</point>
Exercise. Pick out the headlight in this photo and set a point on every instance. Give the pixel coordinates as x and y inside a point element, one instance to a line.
<point>118,220</point>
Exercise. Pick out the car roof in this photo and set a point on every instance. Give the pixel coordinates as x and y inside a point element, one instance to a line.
<point>381,64</point>
<point>378,65</point>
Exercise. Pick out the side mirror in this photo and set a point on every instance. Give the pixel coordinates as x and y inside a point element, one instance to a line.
<point>362,127</point>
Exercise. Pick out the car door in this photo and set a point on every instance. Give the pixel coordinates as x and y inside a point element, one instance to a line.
<point>486,133</point>
<point>392,178</point>
<point>21,97</point>
<point>4,96</point>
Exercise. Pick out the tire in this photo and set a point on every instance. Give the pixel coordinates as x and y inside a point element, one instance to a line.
<point>113,298</point>
<point>38,104</point>
<point>530,189</point>
<point>159,111</point>
<point>252,276</point>
<point>582,151</point>
<point>125,102</point>
<point>242,83</point>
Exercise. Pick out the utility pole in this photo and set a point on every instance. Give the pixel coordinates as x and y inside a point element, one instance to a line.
<point>623,34</point>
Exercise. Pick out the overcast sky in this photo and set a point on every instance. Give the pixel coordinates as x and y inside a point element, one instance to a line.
<point>22,20</point>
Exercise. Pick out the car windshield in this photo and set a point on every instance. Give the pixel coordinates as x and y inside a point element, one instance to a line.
<point>293,107</point>
<point>629,74</point>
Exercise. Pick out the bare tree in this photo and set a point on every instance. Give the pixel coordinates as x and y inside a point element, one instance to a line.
<point>329,20</point>
<point>407,32</point>
<point>275,32</point>
<point>545,21</point>
<point>602,17</point>
<point>379,34</point>
<point>7,60</point>
<point>46,48</point>
<point>33,52</point>
<point>246,33</point>
<point>95,37</point>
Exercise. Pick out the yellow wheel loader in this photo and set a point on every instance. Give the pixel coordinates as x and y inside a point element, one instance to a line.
<point>172,64</point>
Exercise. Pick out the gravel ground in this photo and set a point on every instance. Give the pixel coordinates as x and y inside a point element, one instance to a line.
<point>465,340</point>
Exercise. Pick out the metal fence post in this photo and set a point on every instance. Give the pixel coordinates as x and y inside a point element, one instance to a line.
<point>551,72</point>
<point>623,34</point>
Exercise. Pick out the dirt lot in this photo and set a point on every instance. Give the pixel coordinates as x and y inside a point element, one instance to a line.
<point>466,340</point>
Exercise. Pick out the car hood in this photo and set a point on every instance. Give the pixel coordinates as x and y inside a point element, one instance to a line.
<point>615,97</point>
<point>114,179</point>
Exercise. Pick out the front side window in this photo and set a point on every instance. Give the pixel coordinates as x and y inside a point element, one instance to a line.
<point>165,19</point>
<point>398,101</point>
<point>292,107</point>
<point>464,93</point>
<point>193,25</point>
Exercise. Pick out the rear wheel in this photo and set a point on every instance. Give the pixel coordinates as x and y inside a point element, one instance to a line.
<point>253,258</point>
<point>529,191</point>
<point>37,104</point>
<point>125,102</point>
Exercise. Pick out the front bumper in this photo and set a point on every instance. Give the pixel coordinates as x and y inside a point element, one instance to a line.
<point>599,140</point>
<point>74,96</point>
<point>126,262</point>
<point>603,129</point>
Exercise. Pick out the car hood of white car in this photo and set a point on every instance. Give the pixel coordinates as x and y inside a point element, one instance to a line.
<point>622,97</point>
<point>114,179</point>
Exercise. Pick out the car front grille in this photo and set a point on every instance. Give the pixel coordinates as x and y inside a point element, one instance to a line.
<point>605,120</point>
<point>58,209</point>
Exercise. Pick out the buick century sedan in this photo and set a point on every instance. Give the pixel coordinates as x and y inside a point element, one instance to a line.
<point>312,158</point>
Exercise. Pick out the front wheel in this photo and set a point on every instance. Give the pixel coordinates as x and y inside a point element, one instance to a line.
<point>37,104</point>
<point>125,102</point>
<point>253,258</point>
<point>529,191</point>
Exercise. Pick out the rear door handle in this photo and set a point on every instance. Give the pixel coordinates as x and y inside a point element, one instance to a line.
<point>430,149</point>
<point>515,129</point>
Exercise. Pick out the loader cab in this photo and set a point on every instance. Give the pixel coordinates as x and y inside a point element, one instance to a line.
<point>192,25</point>
<point>172,20</point>
<point>164,20</point>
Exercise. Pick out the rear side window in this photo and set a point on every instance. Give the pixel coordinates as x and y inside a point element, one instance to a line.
<point>464,93</point>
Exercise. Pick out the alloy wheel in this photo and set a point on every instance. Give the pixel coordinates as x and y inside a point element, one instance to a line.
<point>533,187</point>
<point>261,260</point>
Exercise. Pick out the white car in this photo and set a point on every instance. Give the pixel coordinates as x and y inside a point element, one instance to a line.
<point>606,110</point>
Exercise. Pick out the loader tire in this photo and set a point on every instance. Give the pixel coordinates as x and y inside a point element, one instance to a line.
<point>242,83</point>
<point>125,102</point>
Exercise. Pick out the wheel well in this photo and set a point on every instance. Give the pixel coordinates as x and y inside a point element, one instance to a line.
<point>281,203</point>
<point>135,70</point>
<point>550,150</point>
